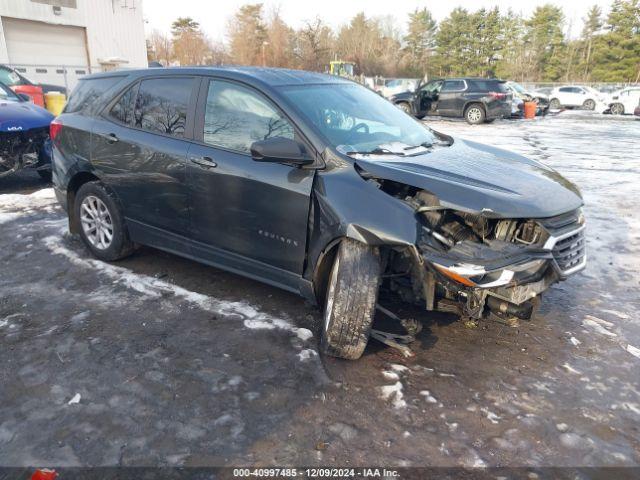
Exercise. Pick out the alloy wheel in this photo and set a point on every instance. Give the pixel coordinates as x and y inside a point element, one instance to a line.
<point>474,114</point>
<point>617,109</point>
<point>96,222</point>
<point>589,104</point>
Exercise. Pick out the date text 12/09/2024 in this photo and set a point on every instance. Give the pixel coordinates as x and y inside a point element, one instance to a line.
<point>314,473</point>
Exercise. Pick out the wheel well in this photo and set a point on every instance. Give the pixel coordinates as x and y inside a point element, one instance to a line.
<point>74,185</point>
<point>323,269</point>
<point>470,104</point>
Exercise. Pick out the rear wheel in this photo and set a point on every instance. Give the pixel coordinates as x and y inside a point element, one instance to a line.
<point>102,226</point>
<point>474,114</point>
<point>589,104</point>
<point>617,109</point>
<point>351,300</point>
<point>555,104</point>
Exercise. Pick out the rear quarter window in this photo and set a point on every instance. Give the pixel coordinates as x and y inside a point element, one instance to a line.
<point>87,92</point>
<point>490,86</point>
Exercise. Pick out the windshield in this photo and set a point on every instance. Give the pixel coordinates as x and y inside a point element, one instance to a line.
<point>354,119</point>
<point>6,94</point>
<point>10,77</point>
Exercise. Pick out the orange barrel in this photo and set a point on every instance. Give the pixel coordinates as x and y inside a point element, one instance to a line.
<point>530,109</point>
<point>34,92</point>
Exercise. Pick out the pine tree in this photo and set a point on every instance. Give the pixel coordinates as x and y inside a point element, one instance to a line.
<point>420,41</point>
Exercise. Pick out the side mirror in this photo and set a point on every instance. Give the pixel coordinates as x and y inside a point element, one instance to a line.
<point>280,150</point>
<point>24,97</point>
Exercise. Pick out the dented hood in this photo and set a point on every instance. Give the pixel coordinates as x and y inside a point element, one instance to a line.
<point>477,178</point>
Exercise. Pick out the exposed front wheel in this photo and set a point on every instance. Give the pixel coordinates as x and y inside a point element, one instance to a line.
<point>474,114</point>
<point>405,107</point>
<point>352,294</point>
<point>102,226</point>
<point>617,109</point>
<point>555,104</point>
<point>589,104</point>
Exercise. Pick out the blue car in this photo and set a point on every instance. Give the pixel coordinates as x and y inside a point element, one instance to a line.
<point>24,135</point>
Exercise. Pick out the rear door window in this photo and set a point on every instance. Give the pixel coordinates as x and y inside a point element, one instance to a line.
<point>162,105</point>
<point>122,110</point>
<point>84,97</point>
<point>237,116</point>
<point>453,86</point>
<point>490,86</point>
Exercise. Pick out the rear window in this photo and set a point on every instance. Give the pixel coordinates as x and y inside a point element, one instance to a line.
<point>162,105</point>
<point>490,86</point>
<point>87,92</point>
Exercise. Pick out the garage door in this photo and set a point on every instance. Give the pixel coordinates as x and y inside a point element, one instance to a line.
<point>47,47</point>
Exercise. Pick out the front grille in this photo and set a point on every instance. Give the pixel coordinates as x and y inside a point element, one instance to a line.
<point>569,251</point>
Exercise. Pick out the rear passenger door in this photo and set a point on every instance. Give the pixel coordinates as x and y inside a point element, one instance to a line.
<point>138,148</point>
<point>451,100</point>
<point>247,215</point>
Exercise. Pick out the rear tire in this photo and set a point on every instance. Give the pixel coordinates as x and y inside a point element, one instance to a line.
<point>474,114</point>
<point>589,104</point>
<point>94,201</point>
<point>555,104</point>
<point>617,109</point>
<point>352,294</point>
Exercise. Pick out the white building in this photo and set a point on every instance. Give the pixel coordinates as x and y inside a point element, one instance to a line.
<point>57,41</point>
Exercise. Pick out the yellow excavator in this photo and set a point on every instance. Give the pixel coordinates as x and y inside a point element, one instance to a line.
<point>342,68</point>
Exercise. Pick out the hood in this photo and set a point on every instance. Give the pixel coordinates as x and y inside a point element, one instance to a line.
<point>476,178</point>
<point>21,116</point>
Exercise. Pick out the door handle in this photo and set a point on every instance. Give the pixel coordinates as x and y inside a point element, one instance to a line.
<point>109,137</point>
<point>204,162</point>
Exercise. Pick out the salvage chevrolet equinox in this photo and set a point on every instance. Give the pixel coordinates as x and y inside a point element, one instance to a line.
<point>314,184</point>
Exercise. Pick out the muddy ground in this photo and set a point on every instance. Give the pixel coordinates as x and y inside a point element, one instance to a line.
<point>157,360</point>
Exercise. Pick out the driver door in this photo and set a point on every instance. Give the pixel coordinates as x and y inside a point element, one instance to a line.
<point>428,98</point>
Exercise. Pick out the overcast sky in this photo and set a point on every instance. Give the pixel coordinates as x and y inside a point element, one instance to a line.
<point>213,15</point>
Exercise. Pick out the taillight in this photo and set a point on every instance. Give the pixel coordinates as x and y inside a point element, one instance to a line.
<point>54,129</point>
<point>498,95</point>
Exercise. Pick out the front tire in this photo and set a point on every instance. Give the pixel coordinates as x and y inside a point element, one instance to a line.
<point>589,104</point>
<point>617,109</point>
<point>555,104</point>
<point>352,294</point>
<point>474,114</point>
<point>405,107</point>
<point>101,222</point>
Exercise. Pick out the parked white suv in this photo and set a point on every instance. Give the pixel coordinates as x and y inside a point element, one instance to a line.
<point>624,101</point>
<point>575,96</point>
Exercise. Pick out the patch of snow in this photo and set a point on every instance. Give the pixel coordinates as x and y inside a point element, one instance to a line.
<point>492,417</point>
<point>632,407</point>
<point>76,399</point>
<point>574,341</point>
<point>446,374</point>
<point>598,325</point>
<point>399,368</point>
<point>306,354</point>
<point>304,334</point>
<point>393,392</point>
<point>428,397</point>
<point>562,427</point>
<point>633,350</point>
<point>390,375</point>
<point>621,315</point>
<point>570,369</point>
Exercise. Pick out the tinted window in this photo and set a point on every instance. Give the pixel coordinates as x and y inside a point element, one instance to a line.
<point>122,111</point>
<point>237,116</point>
<point>162,105</point>
<point>9,77</point>
<point>490,86</point>
<point>565,89</point>
<point>86,93</point>
<point>453,85</point>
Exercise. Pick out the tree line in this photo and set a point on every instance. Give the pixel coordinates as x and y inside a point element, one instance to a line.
<point>485,42</point>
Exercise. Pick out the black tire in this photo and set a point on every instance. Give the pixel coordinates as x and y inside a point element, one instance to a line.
<point>474,114</point>
<point>589,104</point>
<point>617,109</point>
<point>555,104</point>
<point>45,175</point>
<point>120,245</point>
<point>352,293</point>
<point>405,107</point>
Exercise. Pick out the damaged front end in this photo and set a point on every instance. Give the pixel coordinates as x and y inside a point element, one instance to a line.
<point>24,149</point>
<point>478,264</point>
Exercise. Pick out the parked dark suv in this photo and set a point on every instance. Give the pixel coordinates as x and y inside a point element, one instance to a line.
<point>314,184</point>
<point>477,100</point>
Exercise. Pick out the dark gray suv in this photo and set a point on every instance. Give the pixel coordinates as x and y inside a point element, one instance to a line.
<point>314,184</point>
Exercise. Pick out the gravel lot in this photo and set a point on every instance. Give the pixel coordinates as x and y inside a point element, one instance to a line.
<point>157,360</point>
